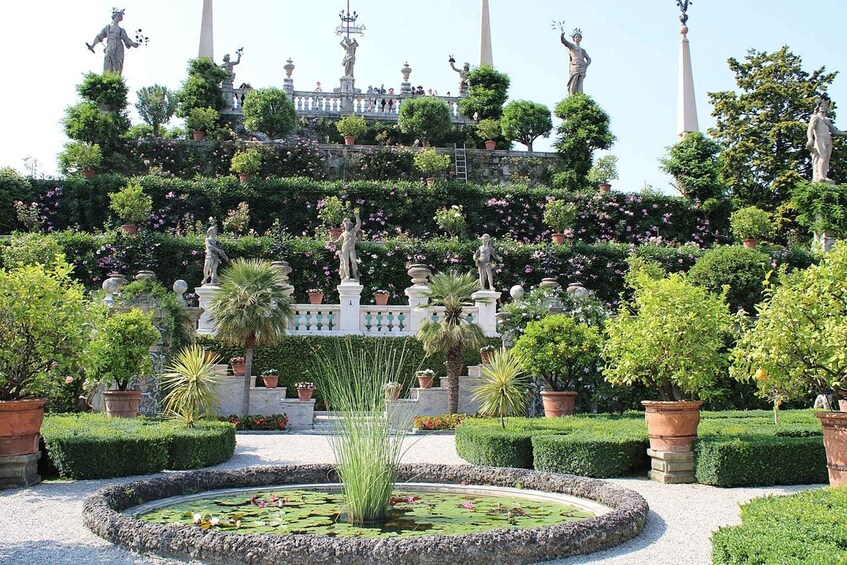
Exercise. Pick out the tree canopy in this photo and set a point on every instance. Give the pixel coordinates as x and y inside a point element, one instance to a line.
<point>525,121</point>
<point>694,162</point>
<point>269,110</point>
<point>489,90</point>
<point>426,117</point>
<point>585,128</point>
<point>202,88</point>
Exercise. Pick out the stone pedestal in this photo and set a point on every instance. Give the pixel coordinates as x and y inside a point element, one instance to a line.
<point>19,471</point>
<point>672,467</point>
<point>205,295</point>
<point>418,302</point>
<point>350,295</point>
<point>301,413</point>
<point>824,241</point>
<point>486,301</point>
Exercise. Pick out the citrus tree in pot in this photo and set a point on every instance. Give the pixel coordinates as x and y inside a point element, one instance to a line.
<point>246,164</point>
<point>750,224</point>
<point>131,205</point>
<point>351,127</point>
<point>560,217</point>
<point>670,336</point>
<point>430,162</point>
<point>603,171</point>
<point>119,352</point>
<point>82,157</point>
<point>46,323</point>
<point>558,350</point>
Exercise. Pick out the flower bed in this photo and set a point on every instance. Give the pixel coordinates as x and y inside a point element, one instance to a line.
<point>275,423</point>
<point>437,423</point>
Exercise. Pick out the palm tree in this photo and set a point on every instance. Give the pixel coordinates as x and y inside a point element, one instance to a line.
<point>251,309</point>
<point>452,333</point>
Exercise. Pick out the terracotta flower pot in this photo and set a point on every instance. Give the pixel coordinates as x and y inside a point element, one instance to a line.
<point>349,140</point>
<point>750,243</point>
<point>199,136</point>
<point>558,237</point>
<point>20,426</point>
<point>316,297</point>
<point>305,393</point>
<point>270,380</point>
<point>558,403</point>
<point>425,381</point>
<point>604,187</point>
<point>122,403</point>
<point>842,405</point>
<point>486,356</point>
<point>381,299</point>
<point>88,173</point>
<point>129,229</point>
<point>334,233</point>
<point>672,426</point>
<point>238,369</point>
<point>834,426</point>
<point>244,177</point>
<point>490,145</point>
<point>392,393</point>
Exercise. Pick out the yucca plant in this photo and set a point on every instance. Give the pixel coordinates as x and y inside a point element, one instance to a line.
<point>191,385</point>
<point>452,333</point>
<point>503,389</point>
<point>251,308</point>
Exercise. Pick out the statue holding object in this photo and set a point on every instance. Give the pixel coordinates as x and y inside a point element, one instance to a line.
<point>349,61</point>
<point>483,257</point>
<point>214,255</point>
<point>819,144</point>
<point>464,83</point>
<point>579,61</point>
<point>116,38</point>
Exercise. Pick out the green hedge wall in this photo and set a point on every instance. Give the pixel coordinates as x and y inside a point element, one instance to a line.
<point>809,527</point>
<point>590,454</point>
<point>92,446</point>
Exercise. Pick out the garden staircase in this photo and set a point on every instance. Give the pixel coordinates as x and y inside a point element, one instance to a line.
<point>461,160</point>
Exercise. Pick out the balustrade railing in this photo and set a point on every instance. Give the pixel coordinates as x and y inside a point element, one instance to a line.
<point>312,319</point>
<point>385,320</point>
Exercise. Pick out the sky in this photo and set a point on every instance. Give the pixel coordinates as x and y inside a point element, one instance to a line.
<point>634,47</point>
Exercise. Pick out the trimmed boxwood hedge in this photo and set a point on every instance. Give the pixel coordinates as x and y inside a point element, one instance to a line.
<point>92,446</point>
<point>809,527</point>
<point>590,455</point>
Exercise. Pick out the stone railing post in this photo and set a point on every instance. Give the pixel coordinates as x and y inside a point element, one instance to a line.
<point>417,294</point>
<point>486,301</point>
<point>205,295</point>
<point>350,293</point>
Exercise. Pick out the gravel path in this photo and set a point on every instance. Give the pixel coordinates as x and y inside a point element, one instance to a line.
<point>43,524</point>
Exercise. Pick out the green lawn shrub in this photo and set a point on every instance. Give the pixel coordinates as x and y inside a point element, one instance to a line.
<point>808,527</point>
<point>590,455</point>
<point>92,446</point>
<point>496,448</point>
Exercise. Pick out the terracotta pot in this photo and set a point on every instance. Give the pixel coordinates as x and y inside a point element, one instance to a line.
<point>558,237</point>
<point>316,297</point>
<point>604,187</point>
<point>835,441</point>
<point>425,381</point>
<point>244,177</point>
<point>122,403</point>
<point>490,145</point>
<point>238,369</point>
<point>558,403</point>
<point>842,405</point>
<point>486,356</point>
<point>392,393</point>
<point>20,425</point>
<point>334,233</point>
<point>129,229</point>
<point>672,426</point>
<point>750,243</point>
<point>305,393</point>
<point>270,380</point>
<point>199,136</point>
<point>381,299</point>
<point>349,140</point>
<point>88,173</point>
<point>430,182</point>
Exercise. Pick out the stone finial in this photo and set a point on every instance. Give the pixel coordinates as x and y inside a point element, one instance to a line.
<point>550,283</point>
<point>144,275</point>
<point>289,68</point>
<point>406,71</point>
<point>576,290</point>
<point>517,292</point>
<point>420,274</point>
<point>180,287</point>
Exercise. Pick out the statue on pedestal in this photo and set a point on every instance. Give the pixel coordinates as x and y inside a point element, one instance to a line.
<point>579,61</point>
<point>464,84</point>
<point>116,37</point>
<point>350,46</point>
<point>483,257</point>
<point>228,66</point>
<point>348,268</point>
<point>820,134</point>
<point>214,255</point>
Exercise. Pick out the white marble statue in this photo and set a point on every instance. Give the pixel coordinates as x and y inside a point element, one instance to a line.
<point>116,38</point>
<point>348,268</point>
<point>350,46</point>
<point>579,61</point>
<point>214,255</point>
<point>483,257</point>
<point>820,135</point>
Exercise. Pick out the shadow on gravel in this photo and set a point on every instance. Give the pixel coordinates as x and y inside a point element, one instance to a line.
<point>44,552</point>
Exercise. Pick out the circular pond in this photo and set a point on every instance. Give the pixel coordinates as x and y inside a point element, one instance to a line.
<point>439,514</point>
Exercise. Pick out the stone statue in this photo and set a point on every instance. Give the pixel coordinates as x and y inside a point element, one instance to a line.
<point>464,84</point>
<point>116,38</point>
<point>350,46</point>
<point>579,61</point>
<point>820,135</point>
<point>348,269</point>
<point>683,6</point>
<point>214,254</point>
<point>483,257</point>
<point>228,66</point>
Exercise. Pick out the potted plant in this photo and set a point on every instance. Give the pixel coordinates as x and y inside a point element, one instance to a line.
<point>119,352</point>
<point>246,164</point>
<point>488,130</point>
<point>559,216</point>
<point>131,205</point>
<point>486,352</point>
<point>82,157</point>
<point>750,224</point>
<point>237,364</point>
<point>331,212</point>
<point>430,162</point>
<point>351,127</point>
<point>603,171</point>
<point>316,295</point>
<point>201,121</point>
<point>671,337</point>
<point>381,297</point>
<point>270,377</point>
<point>305,390</point>
<point>425,377</point>
<point>558,350</point>
<point>451,220</point>
<point>392,390</point>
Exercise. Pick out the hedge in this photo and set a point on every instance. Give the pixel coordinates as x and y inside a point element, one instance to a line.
<point>590,455</point>
<point>809,527</point>
<point>92,446</point>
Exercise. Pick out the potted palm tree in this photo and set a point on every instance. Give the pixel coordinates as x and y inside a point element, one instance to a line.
<point>131,205</point>
<point>750,224</point>
<point>351,127</point>
<point>452,333</point>
<point>246,164</point>
<point>560,217</point>
<point>488,130</point>
<point>603,171</point>
<point>252,308</point>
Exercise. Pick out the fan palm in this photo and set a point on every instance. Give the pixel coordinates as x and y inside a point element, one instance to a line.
<point>503,391</point>
<point>452,333</point>
<point>251,308</point>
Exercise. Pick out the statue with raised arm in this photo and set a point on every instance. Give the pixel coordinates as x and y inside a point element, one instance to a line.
<point>348,268</point>
<point>464,84</point>
<point>116,38</point>
<point>483,257</point>
<point>214,255</point>
<point>228,66</point>
<point>350,46</point>
<point>579,61</point>
<point>820,135</point>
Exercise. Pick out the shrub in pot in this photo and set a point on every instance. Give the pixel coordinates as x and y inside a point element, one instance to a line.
<point>431,163</point>
<point>351,127</point>
<point>331,212</point>
<point>451,220</point>
<point>119,352</point>
<point>201,121</point>
<point>270,378</point>
<point>488,130</point>
<point>560,217</point>
<point>237,364</point>
<point>246,163</point>
<point>392,390</point>
<point>131,205</point>
<point>670,336</point>
<point>558,350</point>
<point>381,297</point>
<point>750,224</point>
<point>603,171</point>
<point>316,296</point>
<point>82,157</point>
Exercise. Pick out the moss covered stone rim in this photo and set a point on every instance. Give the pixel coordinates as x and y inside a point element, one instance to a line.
<point>102,514</point>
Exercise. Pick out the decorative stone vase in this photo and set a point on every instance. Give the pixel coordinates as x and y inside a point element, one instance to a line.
<point>238,369</point>
<point>270,380</point>
<point>381,299</point>
<point>244,177</point>
<point>129,229</point>
<point>199,135</point>
<point>88,173</point>
<point>558,403</point>
<point>20,426</point>
<point>316,297</point>
<point>834,426</point>
<point>672,426</point>
<point>425,381</point>
<point>490,145</point>
<point>349,140</point>
<point>604,187</point>
<point>419,274</point>
<point>122,403</point>
<point>393,393</point>
<point>334,233</point>
<point>305,394</point>
<point>750,243</point>
<point>558,237</point>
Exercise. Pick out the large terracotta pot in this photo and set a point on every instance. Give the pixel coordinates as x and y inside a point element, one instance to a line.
<point>20,425</point>
<point>238,369</point>
<point>129,229</point>
<point>392,393</point>
<point>88,173</point>
<point>334,233</point>
<point>672,426</point>
<point>430,182</point>
<point>244,177</point>
<point>558,237</point>
<point>270,381</point>
<point>381,299</point>
<point>425,381</point>
<point>198,135</point>
<point>485,356</point>
<point>835,441</point>
<point>122,403</point>
<point>558,403</point>
<point>305,393</point>
<point>750,243</point>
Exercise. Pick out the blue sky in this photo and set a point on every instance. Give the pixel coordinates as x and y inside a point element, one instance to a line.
<point>634,46</point>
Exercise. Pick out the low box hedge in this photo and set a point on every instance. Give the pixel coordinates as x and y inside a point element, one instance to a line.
<point>809,527</point>
<point>496,448</point>
<point>588,455</point>
<point>92,446</point>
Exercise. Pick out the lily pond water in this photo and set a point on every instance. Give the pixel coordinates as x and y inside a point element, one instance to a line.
<point>318,512</point>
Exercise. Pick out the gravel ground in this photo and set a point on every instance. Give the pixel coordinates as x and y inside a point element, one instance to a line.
<point>43,524</point>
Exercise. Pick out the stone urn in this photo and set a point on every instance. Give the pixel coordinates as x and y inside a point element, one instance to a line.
<point>420,274</point>
<point>834,426</point>
<point>122,403</point>
<point>672,426</point>
<point>558,404</point>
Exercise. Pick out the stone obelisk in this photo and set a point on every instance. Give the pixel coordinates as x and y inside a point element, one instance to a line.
<point>486,56</point>
<point>207,33</point>
<point>687,120</point>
